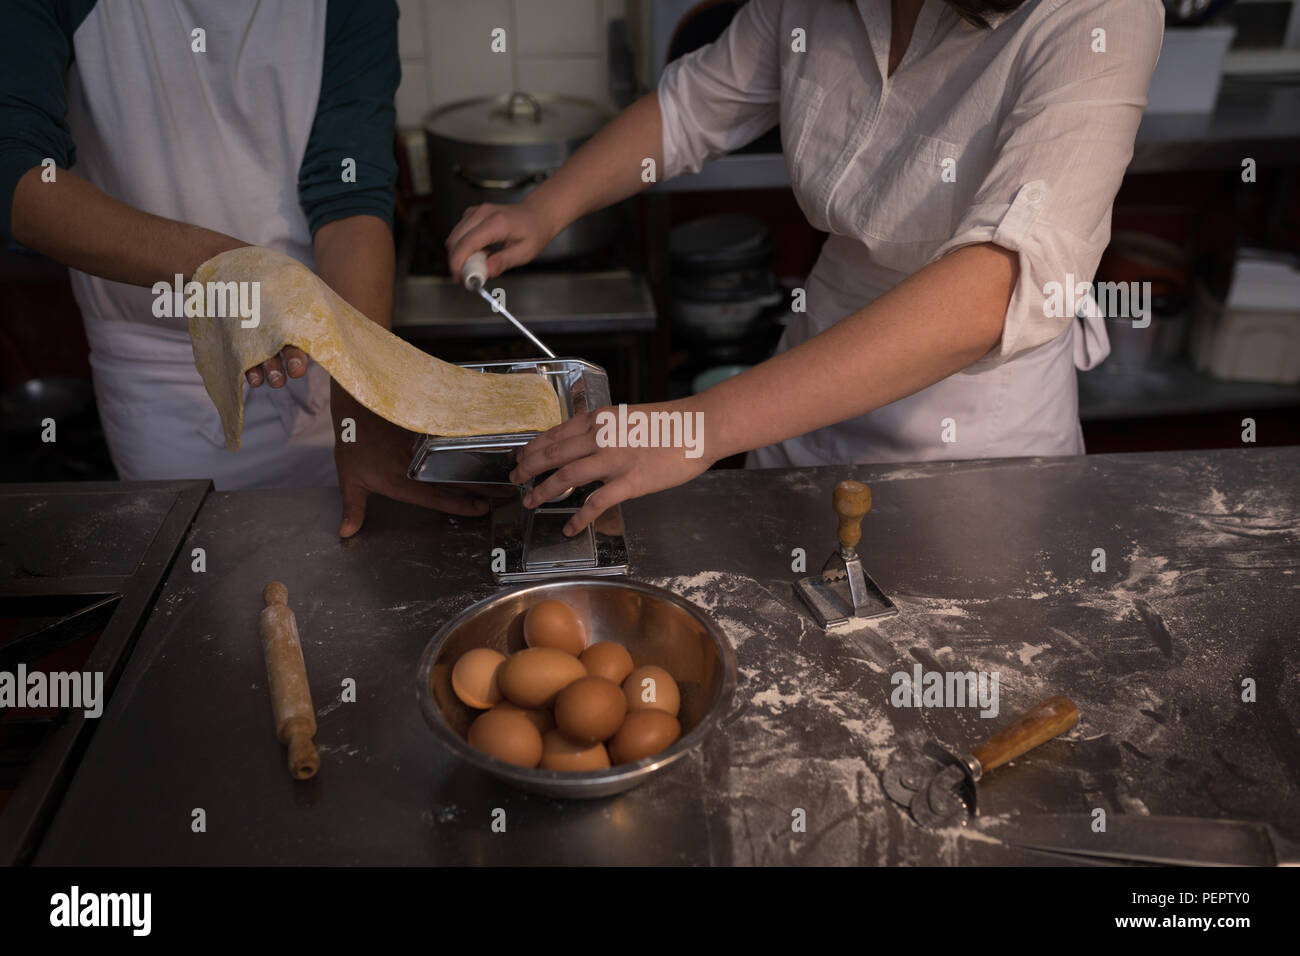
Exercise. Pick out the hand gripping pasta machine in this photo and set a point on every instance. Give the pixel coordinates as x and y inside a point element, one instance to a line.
<point>528,544</point>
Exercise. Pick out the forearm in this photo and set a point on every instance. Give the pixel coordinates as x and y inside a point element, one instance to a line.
<point>355,258</point>
<point>931,325</point>
<point>605,169</point>
<point>76,223</point>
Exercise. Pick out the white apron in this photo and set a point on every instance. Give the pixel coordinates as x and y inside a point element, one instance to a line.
<point>215,139</point>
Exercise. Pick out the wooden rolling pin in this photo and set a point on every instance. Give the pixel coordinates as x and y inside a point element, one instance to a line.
<point>295,719</point>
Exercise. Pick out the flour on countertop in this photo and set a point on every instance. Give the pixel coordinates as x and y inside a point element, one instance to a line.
<point>326,709</point>
<point>1143,647</point>
<point>1028,652</point>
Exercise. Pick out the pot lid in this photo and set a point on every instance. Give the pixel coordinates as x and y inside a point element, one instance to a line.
<point>517,119</point>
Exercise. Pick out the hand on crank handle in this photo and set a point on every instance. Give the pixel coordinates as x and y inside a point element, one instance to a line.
<point>290,363</point>
<point>579,458</point>
<point>521,230</point>
<point>376,463</point>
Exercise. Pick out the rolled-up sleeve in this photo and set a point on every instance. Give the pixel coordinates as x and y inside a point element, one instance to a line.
<point>35,52</point>
<point>724,95</point>
<point>355,117</point>
<point>1061,152</point>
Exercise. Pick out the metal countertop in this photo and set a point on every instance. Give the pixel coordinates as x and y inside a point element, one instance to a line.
<point>76,559</point>
<point>988,561</point>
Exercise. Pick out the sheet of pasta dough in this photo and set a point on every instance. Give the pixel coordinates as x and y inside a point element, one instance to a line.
<point>389,376</point>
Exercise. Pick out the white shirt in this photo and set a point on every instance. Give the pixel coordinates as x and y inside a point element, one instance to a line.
<point>1018,135</point>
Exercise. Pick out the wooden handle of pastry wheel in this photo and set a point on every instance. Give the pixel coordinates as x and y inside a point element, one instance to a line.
<point>1052,717</point>
<point>286,672</point>
<point>851,500</point>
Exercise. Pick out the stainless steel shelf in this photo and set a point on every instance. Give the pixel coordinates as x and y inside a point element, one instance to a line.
<point>1253,118</point>
<point>550,303</point>
<point>1177,389</point>
<point>737,171</point>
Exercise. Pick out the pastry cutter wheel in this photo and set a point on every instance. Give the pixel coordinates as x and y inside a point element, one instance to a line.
<point>844,590</point>
<point>474,275</point>
<point>940,791</point>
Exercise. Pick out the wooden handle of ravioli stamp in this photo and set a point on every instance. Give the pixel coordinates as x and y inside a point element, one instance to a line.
<point>852,500</point>
<point>286,672</point>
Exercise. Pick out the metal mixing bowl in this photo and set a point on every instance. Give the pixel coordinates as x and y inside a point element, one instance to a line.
<point>656,626</point>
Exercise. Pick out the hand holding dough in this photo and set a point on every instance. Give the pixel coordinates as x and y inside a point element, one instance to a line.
<point>391,377</point>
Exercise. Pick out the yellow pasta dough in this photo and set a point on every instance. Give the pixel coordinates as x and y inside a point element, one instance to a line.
<point>389,376</point>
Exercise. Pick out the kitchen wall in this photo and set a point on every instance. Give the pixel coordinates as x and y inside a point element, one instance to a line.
<point>552,46</point>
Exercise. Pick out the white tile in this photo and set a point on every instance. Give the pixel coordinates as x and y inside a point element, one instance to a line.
<point>551,27</point>
<point>570,75</point>
<point>417,160</point>
<point>459,39</point>
<point>640,36</point>
<point>413,94</point>
<point>410,28</point>
<point>428,84</point>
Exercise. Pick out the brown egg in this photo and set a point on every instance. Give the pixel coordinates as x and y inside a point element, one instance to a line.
<point>608,660</point>
<point>540,717</point>
<point>507,736</point>
<point>535,675</point>
<point>561,753</point>
<point>474,678</point>
<point>590,710</point>
<point>643,733</point>
<point>652,688</point>
<point>554,624</point>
